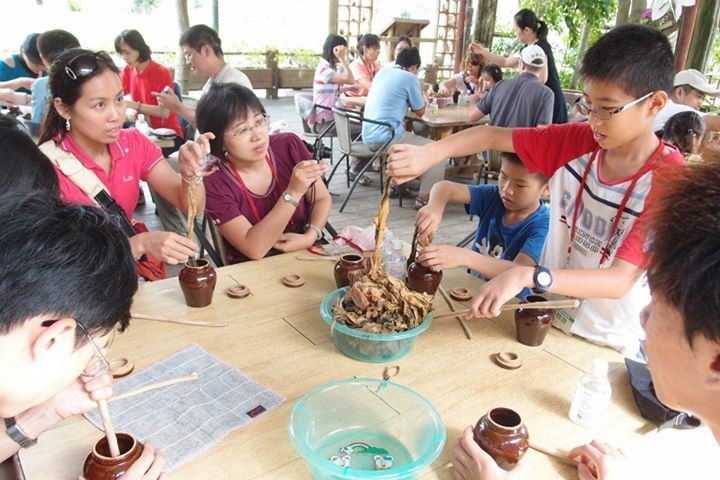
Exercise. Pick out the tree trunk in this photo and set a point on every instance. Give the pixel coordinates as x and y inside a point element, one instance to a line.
<point>703,35</point>
<point>636,9</point>
<point>581,51</point>
<point>216,16</point>
<point>485,22</point>
<point>623,12</point>
<point>182,71</point>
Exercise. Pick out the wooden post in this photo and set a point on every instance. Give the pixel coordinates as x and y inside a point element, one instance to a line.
<point>459,36</point>
<point>687,27</point>
<point>182,71</point>
<point>271,63</point>
<point>332,16</point>
<point>216,16</point>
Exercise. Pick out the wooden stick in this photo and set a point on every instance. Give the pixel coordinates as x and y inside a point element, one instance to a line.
<point>317,257</point>
<point>570,303</point>
<point>557,454</point>
<point>461,321</point>
<point>199,323</point>
<point>154,386</point>
<point>109,430</point>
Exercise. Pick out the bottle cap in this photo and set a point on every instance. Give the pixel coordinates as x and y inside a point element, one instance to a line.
<point>600,368</point>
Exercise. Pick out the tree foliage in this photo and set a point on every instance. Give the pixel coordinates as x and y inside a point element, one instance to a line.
<point>574,14</point>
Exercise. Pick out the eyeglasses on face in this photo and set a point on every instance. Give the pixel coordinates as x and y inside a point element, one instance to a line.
<point>602,113</point>
<point>246,132</point>
<point>98,363</point>
<point>85,65</point>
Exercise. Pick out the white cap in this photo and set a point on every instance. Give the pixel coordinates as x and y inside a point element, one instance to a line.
<point>600,368</point>
<point>696,80</point>
<point>533,56</point>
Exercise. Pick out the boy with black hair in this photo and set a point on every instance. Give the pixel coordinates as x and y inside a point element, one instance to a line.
<point>50,44</point>
<point>681,322</point>
<point>52,331</point>
<point>513,221</point>
<point>601,180</point>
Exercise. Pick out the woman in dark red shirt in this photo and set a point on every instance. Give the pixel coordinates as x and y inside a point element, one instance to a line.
<point>266,193</point>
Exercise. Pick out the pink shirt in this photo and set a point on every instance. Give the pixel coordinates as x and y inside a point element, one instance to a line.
<point>133,156</point>
<point>361,69</point>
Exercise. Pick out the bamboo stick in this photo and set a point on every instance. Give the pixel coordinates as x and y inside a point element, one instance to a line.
<point>154,386</point>
<point>109,430</point>
<point>199,323</point>
<point>570,303</point>
<point>317,258</point>
<point>557,454</point>
<point>461,321</point>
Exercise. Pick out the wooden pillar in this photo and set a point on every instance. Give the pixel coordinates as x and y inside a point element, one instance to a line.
<point>459,35</point>
<point>271,63</point>
<point>182,71</point>
<point>687,26</point>
<point>332,16</point>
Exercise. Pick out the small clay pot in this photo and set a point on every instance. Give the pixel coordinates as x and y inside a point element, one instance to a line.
<point>502,434</point>
<point>531,325</point>
<point>348,263</point>
<point>99,465</point>
<point>198,283</point>
<point>422,279</point>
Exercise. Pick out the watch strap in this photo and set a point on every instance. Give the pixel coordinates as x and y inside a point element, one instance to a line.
<point>290,199</point>
<point>14,431</point>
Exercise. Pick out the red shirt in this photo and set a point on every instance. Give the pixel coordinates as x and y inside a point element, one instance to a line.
<point>133,156</point>
<point>139,85</point>
<point>225,199</point>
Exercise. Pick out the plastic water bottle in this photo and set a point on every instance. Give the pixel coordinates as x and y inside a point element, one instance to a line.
<point>463,100</point>
<point>592,396</point>
<point>141,125</point>
<point>386,249</point>
<point>433,107</point>
<point>396,265</point>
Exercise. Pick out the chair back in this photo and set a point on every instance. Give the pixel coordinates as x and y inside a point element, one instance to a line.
<point>304,106</point>
<point>217,241</point>
<point>342,126</point>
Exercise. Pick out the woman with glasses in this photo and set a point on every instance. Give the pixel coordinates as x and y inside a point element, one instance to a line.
<point>265,192</point>
<point>142,76</point>
<point>86,118</point>
<point>530,30</point>
<point>468,81</point>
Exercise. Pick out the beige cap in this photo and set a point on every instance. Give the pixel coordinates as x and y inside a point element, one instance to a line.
<point>696,80</point>
<point>533,56</point>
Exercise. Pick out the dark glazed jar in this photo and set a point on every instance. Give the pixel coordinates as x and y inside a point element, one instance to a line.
<point>198,283</point>
<point>422,279</point>
<point>501,433</point>
<point>531,325</point>
<point>348,263</point>
<point>99,465</point>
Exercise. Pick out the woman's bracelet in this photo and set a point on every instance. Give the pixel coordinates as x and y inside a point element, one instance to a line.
<point>315,229</point>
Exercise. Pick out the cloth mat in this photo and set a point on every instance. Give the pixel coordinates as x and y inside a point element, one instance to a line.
<point>185,419</point>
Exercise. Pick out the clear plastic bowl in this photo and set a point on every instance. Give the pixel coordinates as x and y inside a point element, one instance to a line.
<point>366,412</point>
<point>365,346</point>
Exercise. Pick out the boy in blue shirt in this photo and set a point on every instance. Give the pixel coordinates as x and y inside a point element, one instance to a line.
<point>513,221</point>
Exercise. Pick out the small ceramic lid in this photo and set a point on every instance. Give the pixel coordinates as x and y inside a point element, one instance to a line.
<point>461,294</point>
<point>238,291</point>
<point>121,367</point>
<point>293,280</point>
<point>509,360</point>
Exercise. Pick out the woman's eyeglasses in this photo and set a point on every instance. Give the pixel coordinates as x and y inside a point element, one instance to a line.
<point>85,65</point>
<point>246,133</point>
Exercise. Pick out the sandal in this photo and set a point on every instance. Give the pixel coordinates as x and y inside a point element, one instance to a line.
<point>420,202</point>
<point>364,179</point>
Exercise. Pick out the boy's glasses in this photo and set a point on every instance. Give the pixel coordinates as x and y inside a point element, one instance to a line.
<point>98,364</point>
<point>246,133</point>
<point>602,113</point>
<point>85,64</point>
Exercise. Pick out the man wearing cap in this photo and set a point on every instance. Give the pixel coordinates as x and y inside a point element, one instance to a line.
<point>18,71</point>
<point>521,101</point>
<point>689,90</point>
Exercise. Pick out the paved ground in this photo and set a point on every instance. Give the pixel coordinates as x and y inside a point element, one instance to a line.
<point>365,199</point>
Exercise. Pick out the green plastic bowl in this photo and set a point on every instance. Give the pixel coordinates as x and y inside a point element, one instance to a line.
<point>365,346</point>
<point>380,414</point>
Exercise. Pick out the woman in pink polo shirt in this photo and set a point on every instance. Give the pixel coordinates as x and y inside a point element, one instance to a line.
<point>86,120</point>
<point>365,67</point>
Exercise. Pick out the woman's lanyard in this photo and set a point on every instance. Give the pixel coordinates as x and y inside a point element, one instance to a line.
<point>246,190</point>
<point>470,87</point>
<point>605,251</point>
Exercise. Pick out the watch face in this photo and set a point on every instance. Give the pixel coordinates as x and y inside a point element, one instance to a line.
<point>543,278</point>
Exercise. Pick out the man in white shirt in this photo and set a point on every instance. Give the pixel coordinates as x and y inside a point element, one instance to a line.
<point>689,90</point>
<point>202,48</point>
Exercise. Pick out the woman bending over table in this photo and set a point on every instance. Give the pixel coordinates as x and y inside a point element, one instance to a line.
<point>86,121</point>
<point>266,193</point>
<point>468,81</point>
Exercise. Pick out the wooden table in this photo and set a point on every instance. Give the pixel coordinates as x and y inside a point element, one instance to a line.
<point>277,337</point>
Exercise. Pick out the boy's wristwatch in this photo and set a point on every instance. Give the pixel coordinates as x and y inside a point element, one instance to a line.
<point>542,279</point>
<point>14,431</point>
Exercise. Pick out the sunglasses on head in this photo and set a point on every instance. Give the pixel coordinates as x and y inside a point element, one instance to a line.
<point>85,65</point>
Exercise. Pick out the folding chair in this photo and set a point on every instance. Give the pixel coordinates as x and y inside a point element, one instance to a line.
<point>305,107</point>
<point>350,147</point>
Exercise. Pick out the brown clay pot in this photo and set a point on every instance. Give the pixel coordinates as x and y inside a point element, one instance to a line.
<point>348,263</point>
<point>198,283</point>
<point>531,325</point>
<point>99,465</point>
<point>501,433</point>
<point>422,279</point>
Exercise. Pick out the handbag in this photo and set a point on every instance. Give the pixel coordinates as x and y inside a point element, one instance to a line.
<point>147,266</point>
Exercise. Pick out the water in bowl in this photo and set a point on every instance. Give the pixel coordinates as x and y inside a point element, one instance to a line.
<point>365,461</point>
